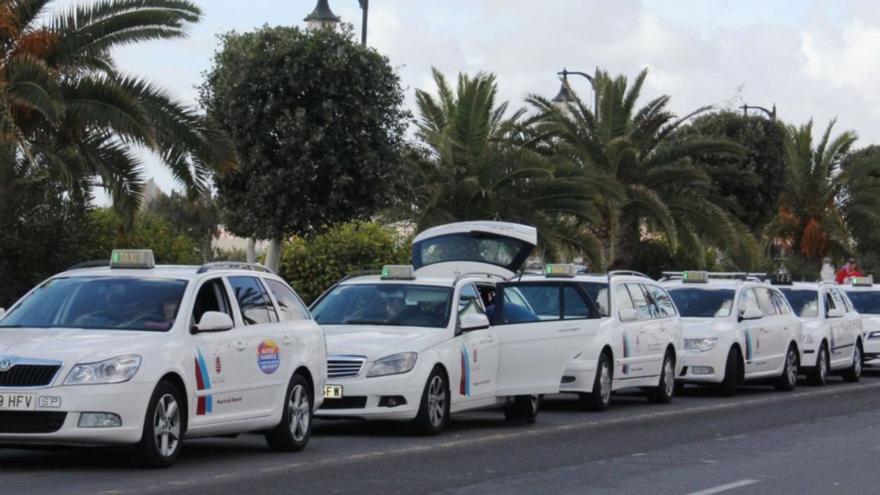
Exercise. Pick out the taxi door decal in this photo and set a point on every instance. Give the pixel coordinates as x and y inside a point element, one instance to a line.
<point>465,385</point>
<point>203,382</point>
<point>748,335</point>
<point>626,353</point>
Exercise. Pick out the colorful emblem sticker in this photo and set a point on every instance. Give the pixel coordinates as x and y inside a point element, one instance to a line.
<point>268,356</point>
<point>204,403</point>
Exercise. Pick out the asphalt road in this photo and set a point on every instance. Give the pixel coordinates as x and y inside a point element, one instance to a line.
<point>813,440</point>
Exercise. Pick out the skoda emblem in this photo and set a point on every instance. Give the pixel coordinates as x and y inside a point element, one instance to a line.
<point>5,364</point>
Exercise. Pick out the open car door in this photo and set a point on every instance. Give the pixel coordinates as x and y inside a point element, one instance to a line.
<point>541,327</point>
<point>496,248</point>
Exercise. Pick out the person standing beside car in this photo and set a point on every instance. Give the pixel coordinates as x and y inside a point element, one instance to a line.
<point>848,271</point>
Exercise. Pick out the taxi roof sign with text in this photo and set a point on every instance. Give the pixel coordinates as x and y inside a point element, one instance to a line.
<point>132,258</point>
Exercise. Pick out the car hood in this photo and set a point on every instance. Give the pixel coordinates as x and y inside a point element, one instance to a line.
<point>871,322</point>
<point>701,327</point>
<point>376,342</point>
<point>73,346</point>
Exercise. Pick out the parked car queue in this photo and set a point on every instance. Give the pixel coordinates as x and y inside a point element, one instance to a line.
<point>129,353</point>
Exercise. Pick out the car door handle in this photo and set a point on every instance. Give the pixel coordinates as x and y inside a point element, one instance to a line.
<point>287,339</point>
<point>764,330</point>
<point>569,329</point>
<point>240,346</point>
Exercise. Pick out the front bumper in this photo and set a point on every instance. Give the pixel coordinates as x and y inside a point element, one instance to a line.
<point>369,392</point>
<point>127,400</point>
<point>579,376</point>
<point>703,367</point>
<point>871,345</point>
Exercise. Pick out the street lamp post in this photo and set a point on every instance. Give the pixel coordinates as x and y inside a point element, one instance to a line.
<point>770,113</point>
<point>322,16</point>
<point>565,96</point>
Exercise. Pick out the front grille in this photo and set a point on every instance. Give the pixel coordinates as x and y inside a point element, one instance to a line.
<point>31,422</point>
<point>352,402</point>
<point>344,366</point>
<point>28,375</point>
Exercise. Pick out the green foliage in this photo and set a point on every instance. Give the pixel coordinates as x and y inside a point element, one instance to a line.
<point>66,113</point>
<point>149,231</point>
<point>197,218</point>
<point>318,124</point>
<point>313,266</point>
<point>664,193</point>
<point>476,166</point>
<point>654,257</point>
<point>750,183</point>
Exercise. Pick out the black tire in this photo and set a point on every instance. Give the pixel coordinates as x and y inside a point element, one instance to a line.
<point>433,413</point>
<point>854,373</point>
<point>600,398</point>
<point>787,381</point>
<point>727,388</point>
<point>164,428</point>
<point>524,410</point>
<point>818,375</point>
<point>665,389</point>
<point>295,429</point>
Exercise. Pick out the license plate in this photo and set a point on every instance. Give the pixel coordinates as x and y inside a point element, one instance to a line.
<point>333,392</point>
<point>17,402</point>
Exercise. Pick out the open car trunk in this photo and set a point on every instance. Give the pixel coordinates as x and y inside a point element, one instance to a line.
<point>496,248</point>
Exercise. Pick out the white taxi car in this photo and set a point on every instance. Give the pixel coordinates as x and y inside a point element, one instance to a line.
<point>865,298</point>
<point>832,330</point>
<point>136,354</point>
<point>415,343</point>
<point>736,328</point>
<point>632,332</point>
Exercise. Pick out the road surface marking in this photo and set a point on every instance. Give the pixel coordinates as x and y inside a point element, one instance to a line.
<point>724,488</point>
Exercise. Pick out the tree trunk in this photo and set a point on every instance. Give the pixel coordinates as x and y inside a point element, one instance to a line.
<point>273,255</point>
<point>627,242</point>
<point>252,250</point>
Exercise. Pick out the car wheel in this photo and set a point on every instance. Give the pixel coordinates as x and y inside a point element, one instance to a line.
<point>787,381</point>
<point>433,413</point>
<point>524,410</point>
<point>665,389</point>
<point>600,398</point>
<point>854,372</point>
<point>163,431</point>
<point>295,429</point>
<point>731,374</point>
<point>819,374</point>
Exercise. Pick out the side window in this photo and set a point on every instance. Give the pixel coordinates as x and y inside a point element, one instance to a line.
<point>575,306</point>
<point>846,302</point>
<point>469,301</point>
<point>640,300</point>
<point>748,300</point>
<point>765,301</point>
<point>829,303</point>
<point>622,300</point>
<point>253,301</point>
<point>211,297</point>
<point>289,304</point>
<point>665,306</point>
<point>526,303</point>
<point>780,303</point>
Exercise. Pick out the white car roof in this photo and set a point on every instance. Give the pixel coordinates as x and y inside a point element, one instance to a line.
<point>584,277</point>
<point>429,281</point>
<point>182,272</point>
<point>718,283</point>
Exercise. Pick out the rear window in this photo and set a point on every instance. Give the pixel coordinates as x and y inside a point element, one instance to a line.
<point>703,303</point>
<point>477,247</point>
<point>865,302</point>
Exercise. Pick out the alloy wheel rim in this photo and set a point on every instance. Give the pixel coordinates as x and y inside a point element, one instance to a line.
<point>436,401</point>
<point>605,383</point>
<point>857,361</point>
<point>299,412</point>
<point>166,425</point>
<point>667,372</point>
<point>823,365</point>
<point>792,367</point>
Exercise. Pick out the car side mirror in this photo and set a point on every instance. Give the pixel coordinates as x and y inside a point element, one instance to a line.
<point>473,321</point>
<point>836,313</point>
<point>214,321</point>
<point>750,313</point>
<point>629,315</point>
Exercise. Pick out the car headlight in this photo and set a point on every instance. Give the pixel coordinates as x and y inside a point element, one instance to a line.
<point>394,364</point>
<point>115,370</point>
<point>701,344</point>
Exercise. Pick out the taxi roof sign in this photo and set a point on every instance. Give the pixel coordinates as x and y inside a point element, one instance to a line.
<point>566,270</point>
<point>132,258</point>
<point>695,277</point>
<point>862,281</point>
<point>398,272</point>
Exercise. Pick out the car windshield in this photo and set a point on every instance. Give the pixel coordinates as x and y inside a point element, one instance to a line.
<point>805,303</point>
<point>102,303</point>
<point>703,303</point>
<point>865,302</point>
<point>598,292</point>
<point>385,304</point>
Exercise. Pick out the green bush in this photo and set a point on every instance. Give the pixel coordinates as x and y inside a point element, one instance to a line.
<point>312,266</point>
<point>149,231</point>
<point>654,257</point>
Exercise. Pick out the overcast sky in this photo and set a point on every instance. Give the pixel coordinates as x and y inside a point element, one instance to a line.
<point>813,59</point>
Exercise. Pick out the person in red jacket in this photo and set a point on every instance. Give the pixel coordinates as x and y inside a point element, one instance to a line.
<point>848,271</point>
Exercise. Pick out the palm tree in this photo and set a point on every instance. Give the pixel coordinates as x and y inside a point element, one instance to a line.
<point>824,188</point>
<point>67,114</point>
<point>474,165</point>
<point>665,194</point>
